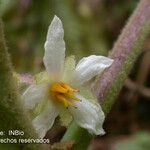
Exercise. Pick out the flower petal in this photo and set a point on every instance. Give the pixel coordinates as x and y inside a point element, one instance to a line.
<point>65,116</point>
<point>33,95</point>
<point>54,48</point>
<point>88,115</point>
<point>44,121</point>
<point>89,67</point>
<point>69,67</point>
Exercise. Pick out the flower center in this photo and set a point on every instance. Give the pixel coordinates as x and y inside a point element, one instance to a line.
<point>63,93</point>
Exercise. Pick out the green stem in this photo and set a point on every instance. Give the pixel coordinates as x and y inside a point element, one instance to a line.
<point>125,51</point>
<point>79,135</point>
<point>12,115</point>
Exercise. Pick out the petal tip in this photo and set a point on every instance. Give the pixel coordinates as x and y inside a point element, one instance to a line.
<point>101,132</point>
<point>56,19</point>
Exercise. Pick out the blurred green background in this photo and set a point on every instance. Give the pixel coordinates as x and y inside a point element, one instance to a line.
<point>91,27</point>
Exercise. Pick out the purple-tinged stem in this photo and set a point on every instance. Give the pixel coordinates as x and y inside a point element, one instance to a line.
<point>125,51</point>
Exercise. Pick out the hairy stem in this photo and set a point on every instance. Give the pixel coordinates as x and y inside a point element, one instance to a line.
<point>12,115</point>
<point>125,51</point>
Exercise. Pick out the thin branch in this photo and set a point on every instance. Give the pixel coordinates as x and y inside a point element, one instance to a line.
<point>138,87</point>
<point>133,86</point>
<point>144,68</point>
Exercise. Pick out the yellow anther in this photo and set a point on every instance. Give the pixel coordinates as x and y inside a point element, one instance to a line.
<point>61,99</point>
<point>66,86</point>
<point>71,96</point>
<point>56,87</point>
<point>63,93</point>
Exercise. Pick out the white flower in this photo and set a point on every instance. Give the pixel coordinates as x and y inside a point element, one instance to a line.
<point>65,84</point>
